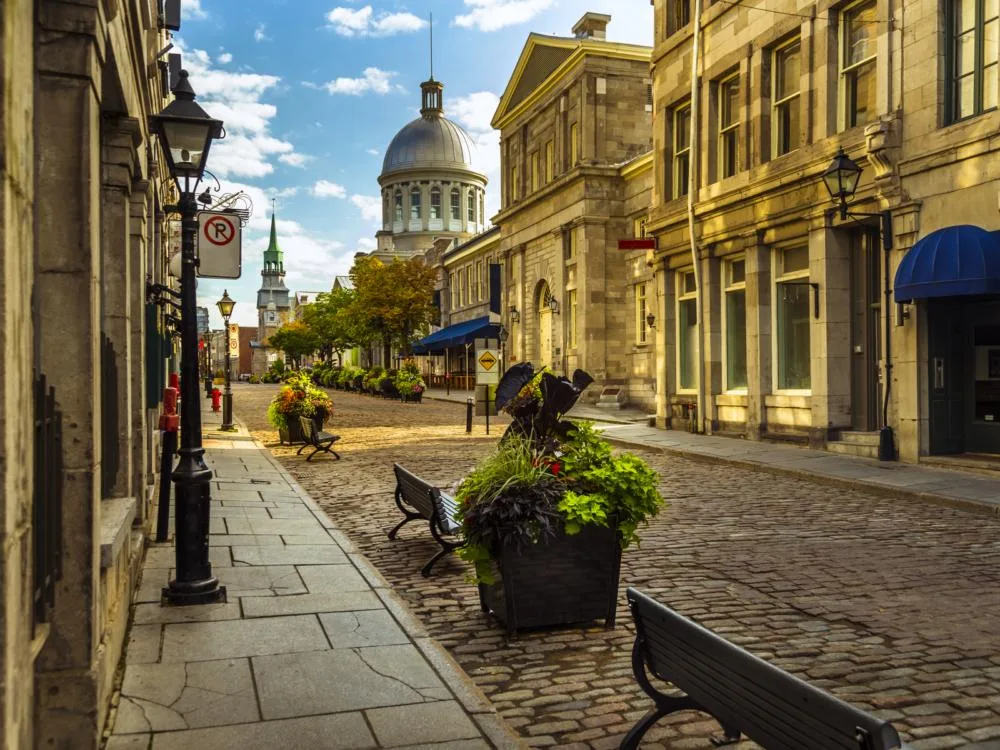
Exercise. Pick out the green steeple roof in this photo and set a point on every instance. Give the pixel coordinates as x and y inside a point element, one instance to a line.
<point>273,257</point>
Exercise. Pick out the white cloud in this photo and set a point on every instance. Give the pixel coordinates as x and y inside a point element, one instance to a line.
<point>366,244</point>
<point>370,207</point>
<point>363,22</point>
<point>327,189</point>
<point>286,192</point>
<point>259,35</point>
<point>225,58</point>
<point>474,112</point>
<point>294,160</point>
<point>236,98</point>
<point>371,80</point>
<point>492,15</point>
<point>373,151</point>
<point>191,10</point>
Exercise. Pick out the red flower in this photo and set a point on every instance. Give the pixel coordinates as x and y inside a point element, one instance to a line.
<point>556,467</point>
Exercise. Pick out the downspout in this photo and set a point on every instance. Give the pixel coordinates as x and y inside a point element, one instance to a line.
<point>692,186</point>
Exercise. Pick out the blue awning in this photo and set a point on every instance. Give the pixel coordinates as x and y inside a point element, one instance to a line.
<point>456,335</point>
<point>952,262</point>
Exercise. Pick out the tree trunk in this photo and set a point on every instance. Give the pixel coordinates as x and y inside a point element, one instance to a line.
<point>386,353</point>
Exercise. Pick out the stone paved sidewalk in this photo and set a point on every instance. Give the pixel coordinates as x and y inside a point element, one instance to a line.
<point>312,650</point>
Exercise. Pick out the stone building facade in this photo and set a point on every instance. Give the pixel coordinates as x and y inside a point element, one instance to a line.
<point>84,353</point>
<point>775,312</point>
<point>575,128</point>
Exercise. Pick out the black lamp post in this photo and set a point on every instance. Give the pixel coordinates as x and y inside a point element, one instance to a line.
<point>186,132</point>
<point>841,179</point>
<point>226,305</point>
<point>504,334</point>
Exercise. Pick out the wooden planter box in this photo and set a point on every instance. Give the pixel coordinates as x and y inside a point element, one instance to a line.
<point>293,433</point>
<point>567,580</point>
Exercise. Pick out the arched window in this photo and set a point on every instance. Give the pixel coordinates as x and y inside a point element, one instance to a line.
<point>456,205</point>
<point>435,203</point>
<point>471,209</point>
<point>398,215</point>
<point>414,203</point>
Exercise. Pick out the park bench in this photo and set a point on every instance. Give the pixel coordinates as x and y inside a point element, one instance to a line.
<point>418,499</point>
<point>318,440</point>
<point>745,694</point>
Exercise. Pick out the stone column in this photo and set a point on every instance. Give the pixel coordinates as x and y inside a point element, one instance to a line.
<point>830,334</point>
<point>68,212</point>
<point>137,336</point>
<point>758,300</point>
<point>660,338</point>
<point>711,344</point>
<point>592,331</point>
<point>117,165</point>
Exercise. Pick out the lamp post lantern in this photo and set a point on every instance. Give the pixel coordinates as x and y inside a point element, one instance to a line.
<point>226,305</point>
<point>841,179</point>
<point>186,131</point>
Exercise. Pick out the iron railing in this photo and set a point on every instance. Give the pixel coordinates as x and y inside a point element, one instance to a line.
<point>47,500</point>
<point>110,460</point>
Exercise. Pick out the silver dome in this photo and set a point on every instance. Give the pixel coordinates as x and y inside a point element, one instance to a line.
<point>430,141</point>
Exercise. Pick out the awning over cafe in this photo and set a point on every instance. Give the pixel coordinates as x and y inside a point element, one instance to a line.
<point>457,334</point>
<point>956,261</point>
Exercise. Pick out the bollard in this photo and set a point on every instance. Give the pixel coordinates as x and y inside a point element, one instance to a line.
<point>468,414</point>
<point>208,387</point>
<point>169,422</point>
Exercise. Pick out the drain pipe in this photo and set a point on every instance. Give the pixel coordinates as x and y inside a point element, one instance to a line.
<point>692,186</point>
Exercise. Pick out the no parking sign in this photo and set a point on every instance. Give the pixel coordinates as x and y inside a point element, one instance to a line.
<point>219,245</point>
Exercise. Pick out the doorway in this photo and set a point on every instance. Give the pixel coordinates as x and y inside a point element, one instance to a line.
<point>544,327</point>
<point>866,341</point>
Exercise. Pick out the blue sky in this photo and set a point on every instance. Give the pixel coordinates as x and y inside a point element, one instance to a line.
<point>312,92</point>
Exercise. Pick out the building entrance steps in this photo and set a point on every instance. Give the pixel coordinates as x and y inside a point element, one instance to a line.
<point>313,649</point>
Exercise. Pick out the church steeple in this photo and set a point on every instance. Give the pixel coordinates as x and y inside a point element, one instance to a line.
<point>274,261</point>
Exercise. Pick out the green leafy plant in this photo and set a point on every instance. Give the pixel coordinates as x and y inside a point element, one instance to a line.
<point>298,398</point>
<point>408,379</point>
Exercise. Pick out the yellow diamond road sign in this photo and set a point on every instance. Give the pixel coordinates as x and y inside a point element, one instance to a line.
<point>487,360</point>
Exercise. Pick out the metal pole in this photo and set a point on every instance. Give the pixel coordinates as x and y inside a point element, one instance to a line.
<point>208,363</point>
<point>166,466</point>
<point>227,397</point>
<point>886,440</point>
<point>487,409</point>
<point>193,582</point>
<point>468,414</point>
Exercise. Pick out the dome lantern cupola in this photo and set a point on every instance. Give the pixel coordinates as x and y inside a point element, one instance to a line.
<point>431,105</point>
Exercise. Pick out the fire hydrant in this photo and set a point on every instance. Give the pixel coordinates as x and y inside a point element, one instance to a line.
<point>216,399</point>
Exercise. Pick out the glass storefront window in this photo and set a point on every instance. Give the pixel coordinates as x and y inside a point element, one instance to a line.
<point>791,297</point>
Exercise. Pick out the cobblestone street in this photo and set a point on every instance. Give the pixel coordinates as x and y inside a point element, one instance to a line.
<point>889,604</point>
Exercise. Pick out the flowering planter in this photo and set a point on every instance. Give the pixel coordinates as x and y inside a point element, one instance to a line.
<point>293,434</point>
<point>413,397</point>
<point>568,579</point>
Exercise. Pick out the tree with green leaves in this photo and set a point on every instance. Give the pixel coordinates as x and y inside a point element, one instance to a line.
<point>296,340</point>
<point>330,319</point>
<point>394,302</point>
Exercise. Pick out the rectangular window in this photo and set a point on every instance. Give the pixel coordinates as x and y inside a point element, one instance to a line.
<point>729,126</point>
<point>785,97</point>
<point>972,57</point>
<point>687,331</point>
<point>682,150</point>
<point>857,64</point>
<point>571,319</point>
<point>470,204</point>
<point>435,204</point>
<point>678,15</point>
<point>736,324</point>
<point>792,318</point>
<point>639,227</point>
<point>461,287</point>
<point>456,205</point>
<point>640,313</point>
<point>479,281</point>
<point>536,175</point>
<point>574,144</point>
<point>549,161</point>
<point>470,284</point>
<point>569,244</point>
<point>514,187</point>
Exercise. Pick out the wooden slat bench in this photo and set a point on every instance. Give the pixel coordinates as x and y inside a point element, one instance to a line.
<point>418,499</point>
<point>745,694</point>
<point>319,441</point>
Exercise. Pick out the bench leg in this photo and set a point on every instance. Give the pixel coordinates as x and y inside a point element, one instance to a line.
<point>426,570</point>
<point>410,516</point>
<point>302,448</point>
<point>730,735</point>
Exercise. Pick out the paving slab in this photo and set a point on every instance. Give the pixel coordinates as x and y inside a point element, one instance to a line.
<point>310,637</point>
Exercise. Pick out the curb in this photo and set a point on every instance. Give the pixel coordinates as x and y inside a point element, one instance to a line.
<point>979,507</point>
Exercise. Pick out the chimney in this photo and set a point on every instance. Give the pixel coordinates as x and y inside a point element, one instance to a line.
<point>592,26</point>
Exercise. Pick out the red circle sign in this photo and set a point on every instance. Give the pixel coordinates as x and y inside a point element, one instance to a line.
<point>219,230</point>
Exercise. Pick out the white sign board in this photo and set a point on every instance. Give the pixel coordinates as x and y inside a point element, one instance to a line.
<point>219,245</point>
<point>234,340</point>
<point>487,367</point>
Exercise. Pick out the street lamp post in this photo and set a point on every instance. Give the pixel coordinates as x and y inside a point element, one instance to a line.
<point>186,132</point>
<point>841,179</point>
<point>226,305</point>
